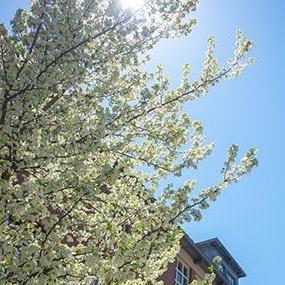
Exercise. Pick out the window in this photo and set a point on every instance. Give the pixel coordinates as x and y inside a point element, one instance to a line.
<point>230,279</point>
<point>181,273</point>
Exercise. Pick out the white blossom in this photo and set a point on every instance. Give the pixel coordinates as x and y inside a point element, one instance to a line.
<point>87,135</point>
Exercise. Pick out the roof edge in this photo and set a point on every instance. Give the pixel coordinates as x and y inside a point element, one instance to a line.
<point>201,259</point>
<point>222,249</point>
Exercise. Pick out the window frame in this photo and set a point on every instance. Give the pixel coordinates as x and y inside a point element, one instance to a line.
<point>181,272</point>
<point>223,269</point>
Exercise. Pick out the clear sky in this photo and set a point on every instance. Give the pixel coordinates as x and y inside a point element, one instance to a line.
<point>248,111</point>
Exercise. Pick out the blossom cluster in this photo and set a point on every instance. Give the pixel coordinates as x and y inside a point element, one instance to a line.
<point>87,135</point>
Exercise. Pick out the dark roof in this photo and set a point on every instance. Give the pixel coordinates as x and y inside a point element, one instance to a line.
<point>198,256</point>
<point>202,260</point>
<point>227,257</point>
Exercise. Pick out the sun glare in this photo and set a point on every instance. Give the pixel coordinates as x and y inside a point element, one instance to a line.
<point>131,4</point>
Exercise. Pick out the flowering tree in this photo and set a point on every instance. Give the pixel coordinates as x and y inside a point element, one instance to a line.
<point>86,136</point>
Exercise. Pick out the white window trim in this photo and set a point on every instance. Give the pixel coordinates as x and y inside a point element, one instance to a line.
<point>181,272</point>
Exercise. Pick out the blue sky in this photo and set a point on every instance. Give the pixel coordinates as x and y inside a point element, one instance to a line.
<point>248,111</point>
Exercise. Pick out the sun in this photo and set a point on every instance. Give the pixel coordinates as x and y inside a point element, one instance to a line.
<point>131,4</point>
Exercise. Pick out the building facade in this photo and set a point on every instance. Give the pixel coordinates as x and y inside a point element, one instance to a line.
<point>193,262</point>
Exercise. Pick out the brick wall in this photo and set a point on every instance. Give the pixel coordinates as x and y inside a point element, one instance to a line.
<point>168,276</point>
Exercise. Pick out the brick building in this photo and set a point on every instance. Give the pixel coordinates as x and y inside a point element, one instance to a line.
<point>193,262</point>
